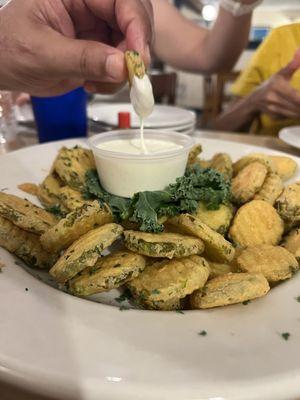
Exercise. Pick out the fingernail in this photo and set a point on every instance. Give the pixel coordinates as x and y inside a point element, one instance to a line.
<point>115,67</point>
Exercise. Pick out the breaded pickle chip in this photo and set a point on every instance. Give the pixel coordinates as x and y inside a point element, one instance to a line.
<point>288,204</point>
<point>71,199</point>
<point>74,225</point>
<point>248,182</point>
<point>271,189</point>
<point>135,65</point>
<point>49,191</point>
<point>25,214</point>
<point>216,247</point>
<point>274,262</point>
<point>256,223</point>
<point>286,167</point>
<point>162,285</point>
<point>30,188</point>
<point>25,245</point>
<point>253,157</point>
<point>193,154</point>
<point>218,220</point>
<point>71,165</point>
<point>85,252</point>
<point>169,245</point>
<point>217,269</point>
<point>292,243</point>
<point>222,163</point>
<point>230,289</point>
<point>109,272</point>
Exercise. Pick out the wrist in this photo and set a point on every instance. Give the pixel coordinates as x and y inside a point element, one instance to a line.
<point>252,103</point>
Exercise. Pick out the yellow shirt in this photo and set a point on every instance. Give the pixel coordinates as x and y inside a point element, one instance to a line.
<point>276,51</point>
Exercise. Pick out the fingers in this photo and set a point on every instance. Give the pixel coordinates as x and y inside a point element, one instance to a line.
<point>135,19</point>
<point>289,70</point>
<point>103,87</point>
<point>86,60</point>
<point>283,88</point>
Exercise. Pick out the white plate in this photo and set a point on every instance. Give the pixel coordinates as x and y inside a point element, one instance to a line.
<point>74,349</point>
<point>162,116</point>
<point>291,136</point>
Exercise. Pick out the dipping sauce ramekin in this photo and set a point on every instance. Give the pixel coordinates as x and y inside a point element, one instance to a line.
<point>124,174</point>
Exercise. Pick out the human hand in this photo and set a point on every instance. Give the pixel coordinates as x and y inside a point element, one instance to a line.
<point>276,97</point>
<point>49,47</point>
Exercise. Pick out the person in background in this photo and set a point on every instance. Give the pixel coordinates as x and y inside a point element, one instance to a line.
<point>50,47</point>
<point>268,90</point>
<point>185,45</point>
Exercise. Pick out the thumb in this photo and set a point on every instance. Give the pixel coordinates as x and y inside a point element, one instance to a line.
<point>289,70</point>
<point>86,60</point>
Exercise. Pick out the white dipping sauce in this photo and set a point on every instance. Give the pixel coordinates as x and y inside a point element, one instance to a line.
<point>124,175</point>
<point>133,146</point>
<point>142,99</point>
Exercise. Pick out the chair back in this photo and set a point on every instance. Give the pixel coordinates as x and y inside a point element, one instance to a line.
<point>164,87</point>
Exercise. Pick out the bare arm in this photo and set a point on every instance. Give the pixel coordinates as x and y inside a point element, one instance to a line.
<point>185,45</point>
<point>275,97</point>
<point>240,114</point>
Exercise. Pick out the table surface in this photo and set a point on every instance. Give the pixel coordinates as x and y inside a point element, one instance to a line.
<point>29,138</point>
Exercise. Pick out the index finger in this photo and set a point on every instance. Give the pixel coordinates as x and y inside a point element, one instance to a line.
<point>135,20</point>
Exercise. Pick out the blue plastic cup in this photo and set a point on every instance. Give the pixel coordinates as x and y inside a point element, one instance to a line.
<point>61,117</point>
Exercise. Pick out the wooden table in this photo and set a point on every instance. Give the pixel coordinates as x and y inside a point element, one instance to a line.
<point>29,138</point>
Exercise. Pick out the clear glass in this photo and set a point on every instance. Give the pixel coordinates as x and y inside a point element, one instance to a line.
<point>8,124</point>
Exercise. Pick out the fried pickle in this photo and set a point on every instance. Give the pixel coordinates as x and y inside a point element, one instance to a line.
<point>292,243</point>
<point>254,157</point>
<point>256,223</point>
<point>248,182</point>
<point>216,247</point>
<point>135,65</point>
<point>230,289</point>
<point>274,262</point>
<point>193,154</point>
<point>218,220</point>
<point>222,163</point>
<point>108,273</point>
<point>85,252</point>
<point>25,214</point>
<point>71,165</point>
<point>24,245</point>
<point>162,285</point>
<point>288,204</point>
<point>286,167</point>
<point>271,189</point>
<point>169,245</point>
<point>76,224</point>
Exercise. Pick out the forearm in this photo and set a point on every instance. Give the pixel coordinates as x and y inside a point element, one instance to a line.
<point>224,43</point>
<point>237,116</point>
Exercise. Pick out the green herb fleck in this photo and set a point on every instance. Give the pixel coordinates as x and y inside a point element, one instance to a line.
<point>56,210</point>
<point>179,311</point>
<point>285,335</point>
<point>155,291</point>
<point>246,302</point>
<point>202,333</point>
<point>126,295</point>
<point>4,189</point>
<point>123,308</point>
<point>298,299</point>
